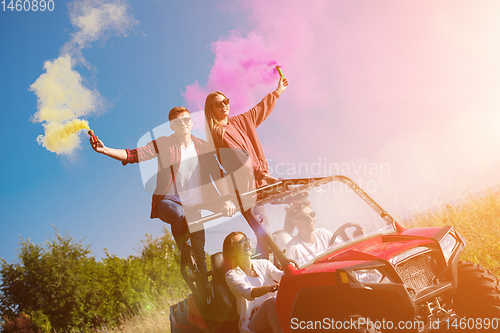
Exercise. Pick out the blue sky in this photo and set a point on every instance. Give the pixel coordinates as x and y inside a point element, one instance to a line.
<point>142,75</point>
<point>402,98</point>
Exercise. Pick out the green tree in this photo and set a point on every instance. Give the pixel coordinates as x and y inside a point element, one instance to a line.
<point>55,279</point>
<point>62,281</point>
<point>34,322</point>
<point>160,260</point>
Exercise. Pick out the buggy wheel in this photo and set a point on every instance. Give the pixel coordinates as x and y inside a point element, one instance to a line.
<point>179,322</point>
<point>478,294</point>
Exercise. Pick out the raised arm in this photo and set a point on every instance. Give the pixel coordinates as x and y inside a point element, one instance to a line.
<point>282,84</point>
<point>117,154</point>
<point>261,111</point>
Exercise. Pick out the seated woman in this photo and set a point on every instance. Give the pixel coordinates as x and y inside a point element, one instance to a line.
<point>253,283</point>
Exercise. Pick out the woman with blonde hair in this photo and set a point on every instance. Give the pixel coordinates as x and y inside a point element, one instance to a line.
<point>238,134</point>
<point>253,282</point>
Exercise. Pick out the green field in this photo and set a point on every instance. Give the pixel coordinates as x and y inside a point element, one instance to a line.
<point>477,218</point>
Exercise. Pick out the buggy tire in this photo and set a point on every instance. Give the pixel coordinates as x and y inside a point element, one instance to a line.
<point>478,292</point>
<point>174,329</point>
<point>178,314</point>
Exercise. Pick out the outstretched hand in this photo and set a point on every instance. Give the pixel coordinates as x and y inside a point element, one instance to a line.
<point>282,84</point>
<point>97,144</point>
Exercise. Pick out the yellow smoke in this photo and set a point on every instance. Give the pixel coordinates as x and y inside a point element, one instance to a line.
<point>61,96</point>
<point>62,138</point>
<point>62,99</point>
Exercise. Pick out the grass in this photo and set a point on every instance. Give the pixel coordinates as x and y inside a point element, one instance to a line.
<point>153,316</point>
<point>477,218</point>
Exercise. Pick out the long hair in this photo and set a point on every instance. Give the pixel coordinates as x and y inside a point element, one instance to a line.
<point>212,124</point>
<point>228,249</point>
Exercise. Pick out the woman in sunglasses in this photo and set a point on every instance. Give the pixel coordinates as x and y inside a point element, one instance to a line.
<point>253,283</point>
<point>239,134</point>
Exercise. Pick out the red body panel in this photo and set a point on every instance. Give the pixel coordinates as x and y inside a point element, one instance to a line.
<point>322,272</point>
<point>422,232</point>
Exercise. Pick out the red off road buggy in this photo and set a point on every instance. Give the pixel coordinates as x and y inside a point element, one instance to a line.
<point>376,276</point>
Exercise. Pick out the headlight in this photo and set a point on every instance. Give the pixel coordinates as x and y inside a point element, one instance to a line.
<point>448,245</point>
<point>406,254</point>
<point>368,275</point>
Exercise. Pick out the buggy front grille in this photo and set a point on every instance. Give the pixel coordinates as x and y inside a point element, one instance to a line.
<point>417,272</point>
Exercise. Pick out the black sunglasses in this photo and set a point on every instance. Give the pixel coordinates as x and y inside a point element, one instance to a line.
<point>219,104</point>
<point>308,216</point>
<point>244,240</point>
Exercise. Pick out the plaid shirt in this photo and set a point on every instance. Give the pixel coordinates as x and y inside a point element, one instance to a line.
<point>168,152</point>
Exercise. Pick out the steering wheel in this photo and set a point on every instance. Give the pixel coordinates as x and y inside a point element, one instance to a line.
<point>340,232</point>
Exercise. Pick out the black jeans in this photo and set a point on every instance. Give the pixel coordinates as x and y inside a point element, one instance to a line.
<point>171,211</point>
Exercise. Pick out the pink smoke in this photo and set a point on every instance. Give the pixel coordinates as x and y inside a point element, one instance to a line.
<point>242,67</point>
<point>283,33</point>
<point>362,74</point>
